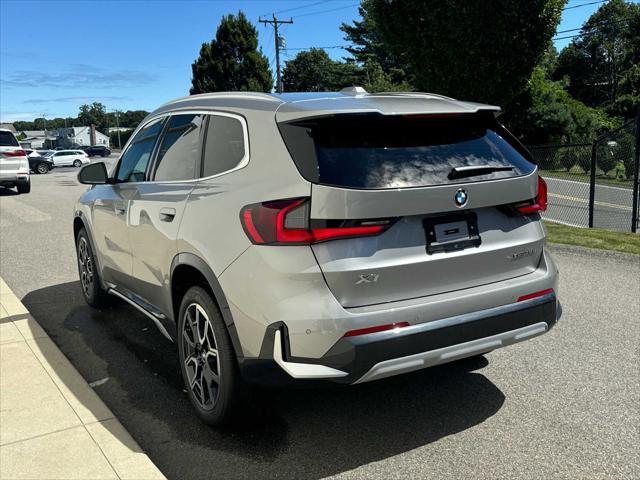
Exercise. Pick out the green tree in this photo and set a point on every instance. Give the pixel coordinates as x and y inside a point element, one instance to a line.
<point>483,51</point>
<point>602,64</point>
<point>369,49</point>
<point>546,113</point>
<point>93,114</point>
<point>232,61</point>
<point>314,71</point>
<point>377,80</point>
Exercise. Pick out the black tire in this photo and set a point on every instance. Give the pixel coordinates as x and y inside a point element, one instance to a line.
<point>77,163</point>
<point>216,402</point>
<point>92,292</point>
<point>24,187</point>
<point>42,168</point>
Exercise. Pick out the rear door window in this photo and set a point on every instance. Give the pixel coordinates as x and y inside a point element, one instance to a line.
<point>180,150</point>
<point>8,140</point>
<point>225,145</point>
<point>370,151</point>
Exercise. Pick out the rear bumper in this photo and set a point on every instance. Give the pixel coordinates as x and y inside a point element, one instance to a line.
<point>11,179</point>
<point>382,354</point>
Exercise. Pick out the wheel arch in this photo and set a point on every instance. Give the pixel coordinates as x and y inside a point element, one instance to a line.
<point>188,270</point>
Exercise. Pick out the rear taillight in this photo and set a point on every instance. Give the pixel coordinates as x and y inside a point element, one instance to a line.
<point>538,204</point>
<point>286,222</point>
<point>15,153</point>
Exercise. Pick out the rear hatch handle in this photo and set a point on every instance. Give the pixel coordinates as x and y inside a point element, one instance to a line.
<point>472,171</point>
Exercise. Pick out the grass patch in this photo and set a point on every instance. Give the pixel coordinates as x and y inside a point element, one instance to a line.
<point>593,238</point>
<point>586,178</point>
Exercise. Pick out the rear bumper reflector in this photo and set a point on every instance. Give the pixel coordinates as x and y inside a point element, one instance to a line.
<point>529,296</point>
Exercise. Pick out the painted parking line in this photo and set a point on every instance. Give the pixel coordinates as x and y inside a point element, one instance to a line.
<point>582,200</point>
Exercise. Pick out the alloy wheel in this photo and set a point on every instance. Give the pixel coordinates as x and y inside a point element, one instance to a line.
<point>201,358</point>
<point>86,266</point>
<point>42,168</point>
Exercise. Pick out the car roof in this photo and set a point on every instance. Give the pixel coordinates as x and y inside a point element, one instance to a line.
<point>291,106</point>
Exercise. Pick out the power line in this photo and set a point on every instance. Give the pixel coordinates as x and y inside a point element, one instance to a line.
<point>583,5</point>
<point>296,8</point>
<point>327,11</point>
<point>591,27</point>
<point>309,48</point>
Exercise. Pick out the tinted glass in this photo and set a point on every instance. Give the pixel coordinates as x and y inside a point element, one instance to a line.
<point>180,149</point>
<point>135,160</point>
<point>377,152</point>
<point>224,147</point>
<point>8,140</point>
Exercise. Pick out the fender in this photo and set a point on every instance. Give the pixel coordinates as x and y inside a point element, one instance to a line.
<point>219,296</point>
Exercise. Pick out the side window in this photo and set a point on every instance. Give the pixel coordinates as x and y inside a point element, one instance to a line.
<point>224,148</point>
<point>134,161</point>
<point>180,149</point>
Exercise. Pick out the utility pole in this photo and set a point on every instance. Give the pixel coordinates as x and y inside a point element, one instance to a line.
<point>275,22</point>
<point>118,129</point>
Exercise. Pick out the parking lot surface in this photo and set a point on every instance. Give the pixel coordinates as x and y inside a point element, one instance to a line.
<point>564,405</point>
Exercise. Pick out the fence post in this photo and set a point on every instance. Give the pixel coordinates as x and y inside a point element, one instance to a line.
<point>636,175</point>
<point>592,184</point>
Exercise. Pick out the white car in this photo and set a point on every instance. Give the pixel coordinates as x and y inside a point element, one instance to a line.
<point>14,164</point>
<point>77,158</point>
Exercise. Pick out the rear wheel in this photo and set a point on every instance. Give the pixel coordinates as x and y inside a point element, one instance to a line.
<point>42,168</point>
<point>92,292</point>
<point>77,163</point>
<point>24,187</point>
<point>207,359</point>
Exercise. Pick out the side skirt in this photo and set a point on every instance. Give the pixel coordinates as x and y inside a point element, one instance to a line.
<point>138,304</point>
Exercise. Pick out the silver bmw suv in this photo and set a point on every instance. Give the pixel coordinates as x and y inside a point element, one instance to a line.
<point>312,238</point>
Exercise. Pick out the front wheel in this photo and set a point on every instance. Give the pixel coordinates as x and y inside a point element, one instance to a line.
<point>42,168</point>
<point>77,163</point>
<point>207,359</point>
<point>92,292</point>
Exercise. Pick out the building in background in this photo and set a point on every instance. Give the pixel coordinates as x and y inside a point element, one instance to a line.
<point>72,137</point>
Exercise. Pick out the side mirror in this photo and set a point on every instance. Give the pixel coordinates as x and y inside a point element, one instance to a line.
<point>93,174</point>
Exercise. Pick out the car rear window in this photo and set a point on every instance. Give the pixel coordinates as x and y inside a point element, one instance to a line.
<point>7,139</point>
<point>372,151</point>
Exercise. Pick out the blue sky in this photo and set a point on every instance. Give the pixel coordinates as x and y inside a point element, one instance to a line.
<point>57,55</point>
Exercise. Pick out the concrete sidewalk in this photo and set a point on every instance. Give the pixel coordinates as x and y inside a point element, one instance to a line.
<point>52,423</point>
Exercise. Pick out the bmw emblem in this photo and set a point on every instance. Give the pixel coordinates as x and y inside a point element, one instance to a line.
<point>461,197</point>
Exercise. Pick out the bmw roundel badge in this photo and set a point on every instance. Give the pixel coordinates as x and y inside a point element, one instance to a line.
<point>461,197</point>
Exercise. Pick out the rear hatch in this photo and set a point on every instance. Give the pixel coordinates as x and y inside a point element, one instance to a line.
<point>443,185</point>
<point>12,156</point>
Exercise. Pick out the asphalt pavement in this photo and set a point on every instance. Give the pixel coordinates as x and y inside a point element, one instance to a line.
<point>569,204</point>
<point>563,405</point>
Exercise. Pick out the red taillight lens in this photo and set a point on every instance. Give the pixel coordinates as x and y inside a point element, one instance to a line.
<point>379,328</point>
<point>286,222</point>
<point>541,293</point>
<point>539,203</point>
<point>15,153</point>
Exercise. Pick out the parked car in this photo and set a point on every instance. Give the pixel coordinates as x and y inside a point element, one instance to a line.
<point>94,150</point>
<point>77,158</point>
<point>342,238</point>
<point>14,165</point>
<point>40,164</point>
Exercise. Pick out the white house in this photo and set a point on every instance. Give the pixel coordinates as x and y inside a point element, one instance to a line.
<point>72,136</point>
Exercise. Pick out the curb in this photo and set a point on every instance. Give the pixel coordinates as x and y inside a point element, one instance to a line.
<point>591,252</point>
<point>52,423</point>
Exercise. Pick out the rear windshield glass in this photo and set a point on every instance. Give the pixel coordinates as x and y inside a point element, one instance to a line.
<point>8,140</point>
<point>376,152</point>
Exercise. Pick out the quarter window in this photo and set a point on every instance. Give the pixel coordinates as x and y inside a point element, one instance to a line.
<point>180,149</point>
<point>224,148</point>
<point>133,163</point>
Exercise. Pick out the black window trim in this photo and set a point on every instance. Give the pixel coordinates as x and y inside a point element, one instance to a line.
<point>153,150</point>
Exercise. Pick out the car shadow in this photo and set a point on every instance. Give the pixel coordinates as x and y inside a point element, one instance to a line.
<point>8,192</point>
<point>289,433</point>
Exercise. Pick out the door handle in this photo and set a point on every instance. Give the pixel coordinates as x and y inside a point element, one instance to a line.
<point>167,214</point>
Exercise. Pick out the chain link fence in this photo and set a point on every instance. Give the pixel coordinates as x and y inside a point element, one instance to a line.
<point>593,184</point>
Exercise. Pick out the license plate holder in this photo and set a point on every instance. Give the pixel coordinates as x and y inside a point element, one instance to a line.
<point>448,233</point>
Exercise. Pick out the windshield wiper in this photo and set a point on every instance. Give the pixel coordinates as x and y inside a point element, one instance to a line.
<point>463,172</point>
